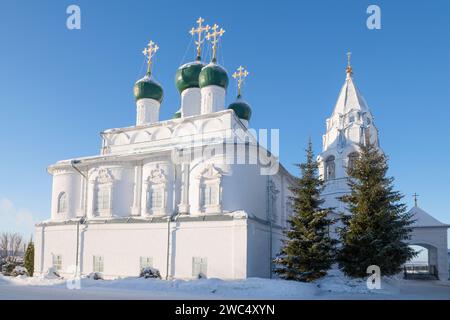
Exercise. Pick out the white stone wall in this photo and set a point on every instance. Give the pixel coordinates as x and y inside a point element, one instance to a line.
<point>121,245</point>
<point>234,249</point>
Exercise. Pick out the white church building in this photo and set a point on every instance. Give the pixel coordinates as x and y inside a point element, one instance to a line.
<point>197,194</point>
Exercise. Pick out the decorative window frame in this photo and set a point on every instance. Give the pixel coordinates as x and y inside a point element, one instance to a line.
<point>103,182</point>
<point>210,177</point>
<point>157,180</point>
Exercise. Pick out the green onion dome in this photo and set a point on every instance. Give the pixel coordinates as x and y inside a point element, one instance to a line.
<point>241,109</point>
<point>187,75</point>
<point>147,88</point>
<point>213,75</point>
<point>177,114</point>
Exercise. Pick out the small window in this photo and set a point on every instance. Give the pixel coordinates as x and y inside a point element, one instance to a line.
<point>351,119</point>
<point>199,267</point>
<point>155,198</point>
<point>208,195</point>
<point>97,264</point>
<point>145,262</point>
<point>352,157</point>
<point>329,168</point>
<point>57,262</point>
<point>62,202</point>
<point>103,199</point>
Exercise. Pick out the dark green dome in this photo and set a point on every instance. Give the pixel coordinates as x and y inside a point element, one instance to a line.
<point>177,114</point>
<point>187,75</point>
<point>241,109</point>
<point>213,75</point>
<point>148,88</point>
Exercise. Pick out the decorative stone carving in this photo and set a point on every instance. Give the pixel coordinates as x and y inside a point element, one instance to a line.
<point>104,176</point>
<point>157,176</point>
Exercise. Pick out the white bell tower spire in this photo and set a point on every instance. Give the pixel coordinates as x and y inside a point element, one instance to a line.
<point>350,124</point>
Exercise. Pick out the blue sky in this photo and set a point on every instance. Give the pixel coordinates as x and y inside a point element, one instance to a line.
<point>60,88</point>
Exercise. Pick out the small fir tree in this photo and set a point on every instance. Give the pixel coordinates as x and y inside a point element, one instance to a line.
<point>377,228</point>
<point>29,258</point>
<point>308,250</point>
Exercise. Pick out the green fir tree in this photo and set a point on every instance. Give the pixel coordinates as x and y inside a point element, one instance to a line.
<point>377,229</point>
<point>29,258</point>
<point>308,250</point>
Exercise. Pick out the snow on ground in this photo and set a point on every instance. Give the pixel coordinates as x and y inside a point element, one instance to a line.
<point>333,286</point>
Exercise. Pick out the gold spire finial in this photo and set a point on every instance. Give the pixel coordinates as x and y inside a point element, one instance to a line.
<point>149,52</point>
<point>240,74</point>
<point>199,31</point>
<point>214,38</point>
<point>349,69</point>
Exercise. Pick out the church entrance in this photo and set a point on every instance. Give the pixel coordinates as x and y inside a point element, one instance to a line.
<point>424,265</point>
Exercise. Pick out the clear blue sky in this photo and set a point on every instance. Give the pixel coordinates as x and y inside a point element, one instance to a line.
<point>60,88</point>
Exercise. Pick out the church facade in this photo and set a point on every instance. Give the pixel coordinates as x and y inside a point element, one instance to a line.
<point>195,195</point>
<point>189,196</point>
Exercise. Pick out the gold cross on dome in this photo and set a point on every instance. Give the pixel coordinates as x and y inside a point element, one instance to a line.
<point>150,52</point>
<point>214,38</point>
<point>199,31</point>
<point>240,74</point>
<point>349,69</point>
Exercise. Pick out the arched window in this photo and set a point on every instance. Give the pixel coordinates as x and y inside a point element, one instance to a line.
<point>352,157</point>
<point>329,168</point>
<point>62,202</point>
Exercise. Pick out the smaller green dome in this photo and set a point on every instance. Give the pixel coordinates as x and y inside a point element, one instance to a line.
<point>187,75</point>
<point>147,88</point>
<point>241,109</point>
<point>213,75</point>
<point>177,114</point>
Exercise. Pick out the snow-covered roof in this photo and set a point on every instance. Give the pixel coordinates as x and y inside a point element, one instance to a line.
<point>424,219</point>
<point>350,98</point>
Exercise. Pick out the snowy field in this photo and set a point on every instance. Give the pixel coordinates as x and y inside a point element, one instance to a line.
<point>334,286</point>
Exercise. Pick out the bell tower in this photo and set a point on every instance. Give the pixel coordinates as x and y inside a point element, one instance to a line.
<point>350,124</point>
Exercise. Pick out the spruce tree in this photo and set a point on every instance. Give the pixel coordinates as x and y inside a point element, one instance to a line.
<point>377,227</point>
<point>308,250</point>
<point>29,258</point>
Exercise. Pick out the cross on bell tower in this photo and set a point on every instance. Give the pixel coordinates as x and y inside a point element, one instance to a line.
<point>415,196</point>
<point>349,69</point>
<point>214,37</point>
<point>199,31</point>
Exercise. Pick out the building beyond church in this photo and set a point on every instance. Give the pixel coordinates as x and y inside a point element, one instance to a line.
<point>196,194</point>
